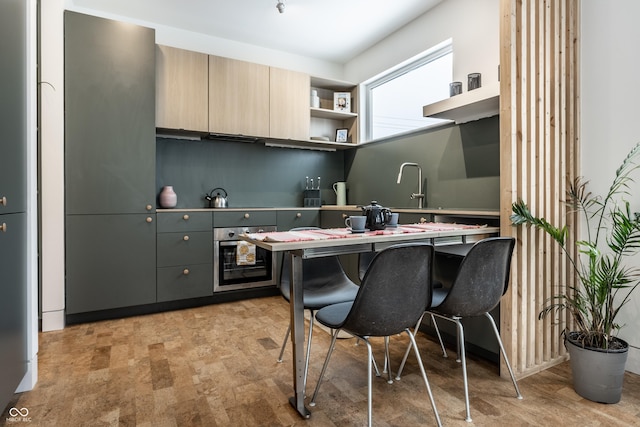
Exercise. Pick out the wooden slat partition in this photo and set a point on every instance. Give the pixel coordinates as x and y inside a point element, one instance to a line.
<point>539,157</point>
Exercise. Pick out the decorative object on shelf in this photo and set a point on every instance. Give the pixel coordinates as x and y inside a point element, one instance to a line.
<point>342,101</point>
<point>473,81</point>
<point>168,197</point>
<point>315,99</point>
<point>603,283</point>
<point>342,135</point>
<point>455,88</point>
<point>280,6</point>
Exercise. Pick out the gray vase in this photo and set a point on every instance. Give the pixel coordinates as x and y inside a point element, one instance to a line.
<point>597,374</point>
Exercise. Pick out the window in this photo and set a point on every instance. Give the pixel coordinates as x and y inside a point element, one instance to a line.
<point>394,99</point>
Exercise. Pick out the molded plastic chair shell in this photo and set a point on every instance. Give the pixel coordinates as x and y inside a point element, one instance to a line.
<point>391,299</point>
<point>482,279</point>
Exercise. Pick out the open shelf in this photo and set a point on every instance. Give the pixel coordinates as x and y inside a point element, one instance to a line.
<point>472,105</point>
<point>324,113</point>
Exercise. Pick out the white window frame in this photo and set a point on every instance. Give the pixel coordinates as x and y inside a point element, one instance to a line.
<point>432,54</point>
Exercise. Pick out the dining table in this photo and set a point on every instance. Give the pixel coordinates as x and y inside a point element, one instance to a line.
<point>313,243</point>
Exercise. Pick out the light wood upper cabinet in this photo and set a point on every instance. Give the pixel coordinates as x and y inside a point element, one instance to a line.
<point>182,82</point>
<point>289,104</point>
<point>238,97</point>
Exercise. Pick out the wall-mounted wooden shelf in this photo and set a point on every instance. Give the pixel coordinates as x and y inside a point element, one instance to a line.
<point>323,113</point>
<point>472,105</point>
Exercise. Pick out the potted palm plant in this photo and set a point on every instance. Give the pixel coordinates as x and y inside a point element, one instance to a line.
<point>604,280</point>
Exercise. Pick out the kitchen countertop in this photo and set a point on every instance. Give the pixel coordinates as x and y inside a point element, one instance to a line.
<point>473,212</point>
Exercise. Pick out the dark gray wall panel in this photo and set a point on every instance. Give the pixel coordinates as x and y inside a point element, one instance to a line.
<point>460,168</point>
<point>253,175</point>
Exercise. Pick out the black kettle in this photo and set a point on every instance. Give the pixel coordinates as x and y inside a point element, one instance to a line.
<point>377,216</point>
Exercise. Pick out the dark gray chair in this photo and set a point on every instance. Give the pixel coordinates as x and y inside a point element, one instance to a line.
<point>391,299</point>
<point>482,279</point>
<point>364,260</point>
<point>324,282</point>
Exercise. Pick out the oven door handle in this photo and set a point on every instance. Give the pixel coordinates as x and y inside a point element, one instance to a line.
<point>229,243</point>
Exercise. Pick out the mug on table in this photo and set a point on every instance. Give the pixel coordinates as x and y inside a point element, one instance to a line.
<point>356,223</point>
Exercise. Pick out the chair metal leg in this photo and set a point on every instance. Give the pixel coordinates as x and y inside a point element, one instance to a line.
<point>415,331</point>
<point>406,353</point>
<point>424,376</point>
<point>504,354</point>
<point>464,366</point>
<point>284,343</point>
<point>324,368</point>
<point>306,362</point>
<point>387,360</point>
<point>435,325</point>
<point>369,383</point>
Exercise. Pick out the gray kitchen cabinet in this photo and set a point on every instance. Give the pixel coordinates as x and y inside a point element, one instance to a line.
<point>335,218</point>
<point>414,218</point>
<point>184,221</point>
<point>190,247</point>
<point>109,164</point>
<point>109,116</point>
<point>111,261</point>
<point>291,218</point>
<point>243,218</point>
<point>13,197</point>
<point>184,255</point>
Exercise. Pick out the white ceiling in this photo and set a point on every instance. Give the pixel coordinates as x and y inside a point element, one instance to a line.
<point>331,30</point>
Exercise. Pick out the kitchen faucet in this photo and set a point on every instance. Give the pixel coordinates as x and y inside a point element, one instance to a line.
<point>419,195</point>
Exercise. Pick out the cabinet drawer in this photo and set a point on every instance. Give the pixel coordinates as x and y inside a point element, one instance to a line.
<point>189,281</point>
<point>414,218</point>
<point>185,248</point>
<point>243,218</point>
<point>335,219</point>
<point>288,219</point>
<point>184,221</point>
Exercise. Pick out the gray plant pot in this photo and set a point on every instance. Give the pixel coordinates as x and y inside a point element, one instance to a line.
<point>597,374</point>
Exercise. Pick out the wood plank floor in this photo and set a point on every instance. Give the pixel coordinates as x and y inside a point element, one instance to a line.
<point>216,366</point>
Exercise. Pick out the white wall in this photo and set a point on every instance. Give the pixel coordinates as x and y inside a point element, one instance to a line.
<point>52,165</point>
<point>609,124</point>
<point>474,27</point>
<point>230,49</point>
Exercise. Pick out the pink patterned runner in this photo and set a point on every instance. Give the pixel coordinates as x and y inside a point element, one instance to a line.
<point>340,233</point>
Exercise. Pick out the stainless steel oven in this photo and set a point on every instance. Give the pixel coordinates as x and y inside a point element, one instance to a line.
<point>228,273</point>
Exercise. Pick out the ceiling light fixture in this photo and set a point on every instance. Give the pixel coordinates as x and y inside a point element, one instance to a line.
<point>280,6</point>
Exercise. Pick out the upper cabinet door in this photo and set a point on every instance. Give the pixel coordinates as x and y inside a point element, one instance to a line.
<point>109,116</point>
<point>182,89</point>
<point>290,95</point>
<point>238,97</point>
<point>13,108</point>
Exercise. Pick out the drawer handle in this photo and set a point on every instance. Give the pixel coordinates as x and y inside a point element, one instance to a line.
<point>344,216</point>
<point>185,238</point>
<point>3,227</point>
<point>3,201</point>
<point>298,215</point>
<point>149,219</point>
<point>185,217</point>
<point>246,216</point>
<point>149,207</point>
<point>185,271</point>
